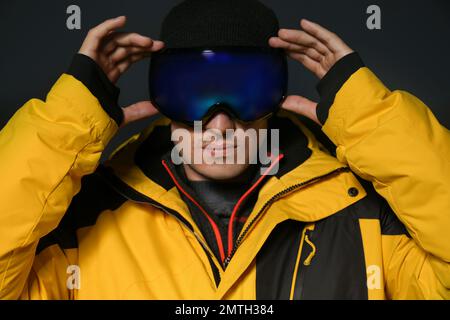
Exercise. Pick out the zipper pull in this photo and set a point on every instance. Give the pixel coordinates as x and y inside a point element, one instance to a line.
<point>311,255</point>
<point>226,262</point>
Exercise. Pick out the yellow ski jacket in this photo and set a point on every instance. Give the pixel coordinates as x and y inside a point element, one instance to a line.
<point>73,229</point>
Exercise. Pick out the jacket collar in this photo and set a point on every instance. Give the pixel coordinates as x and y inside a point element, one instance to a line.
<point>137,163</point>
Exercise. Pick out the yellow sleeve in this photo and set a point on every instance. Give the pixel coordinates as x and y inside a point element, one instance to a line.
<point>412,273</point>
<point>393,140</point>
<point>46,148</point>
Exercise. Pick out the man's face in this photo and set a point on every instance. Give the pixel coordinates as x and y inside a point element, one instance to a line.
<point>221,149</point>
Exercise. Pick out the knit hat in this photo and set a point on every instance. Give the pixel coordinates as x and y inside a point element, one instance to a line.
<point>208,23</point>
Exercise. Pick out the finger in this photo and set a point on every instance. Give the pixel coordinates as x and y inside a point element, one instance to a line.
<point>302,106</point>
<point>104,28</point>
<point>123,53</point>
<point>302,38</point>
<point>310,64</point>
<point>117,39</point>
<point>116,71</point>
<point>139,110</point>
<point>289,46</point>
<point>123,65</point>
<point>114,75</point>
<point>328,38</point>
<point>157,45</point>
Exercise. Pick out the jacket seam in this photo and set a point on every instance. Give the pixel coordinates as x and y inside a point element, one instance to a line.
<point>88,119</point>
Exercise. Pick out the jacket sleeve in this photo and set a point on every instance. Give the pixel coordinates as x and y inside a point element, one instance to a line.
<point>392,139</point>
<point>46,148</point>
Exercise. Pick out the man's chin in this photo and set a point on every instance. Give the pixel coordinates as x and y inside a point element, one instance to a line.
<point>219,172</point>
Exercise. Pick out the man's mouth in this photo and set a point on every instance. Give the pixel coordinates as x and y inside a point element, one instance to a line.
<point>218,145</point>
<point>220,149</point>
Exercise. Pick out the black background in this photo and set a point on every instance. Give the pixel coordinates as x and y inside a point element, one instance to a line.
<point>411,52</point>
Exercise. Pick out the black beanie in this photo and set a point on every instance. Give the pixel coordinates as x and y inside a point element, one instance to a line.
<point>208,23</point>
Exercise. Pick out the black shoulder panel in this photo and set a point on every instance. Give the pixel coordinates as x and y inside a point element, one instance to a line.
<point>149,155</point>
<point>293,144</point>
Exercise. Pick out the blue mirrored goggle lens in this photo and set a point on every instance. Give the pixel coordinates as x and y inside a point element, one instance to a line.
<point>186,85</point>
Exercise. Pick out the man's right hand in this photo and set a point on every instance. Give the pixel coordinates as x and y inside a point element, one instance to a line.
<point>115,52</point>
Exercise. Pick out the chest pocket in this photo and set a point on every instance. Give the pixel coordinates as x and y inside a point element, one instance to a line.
<point>330,266</point>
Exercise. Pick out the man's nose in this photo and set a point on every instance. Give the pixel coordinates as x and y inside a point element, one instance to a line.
<point>220,121</point>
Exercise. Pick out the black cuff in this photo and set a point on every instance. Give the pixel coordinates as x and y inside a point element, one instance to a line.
<point>333,80</point>
<point>94,78</point>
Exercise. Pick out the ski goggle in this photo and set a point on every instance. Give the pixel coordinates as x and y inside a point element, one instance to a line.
<point>188,85</point>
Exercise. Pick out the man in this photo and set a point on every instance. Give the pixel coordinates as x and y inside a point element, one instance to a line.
<point>140,226</point>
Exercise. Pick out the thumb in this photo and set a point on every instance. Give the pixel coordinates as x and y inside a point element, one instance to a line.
<point>301,106</point>
<point>137,111</point>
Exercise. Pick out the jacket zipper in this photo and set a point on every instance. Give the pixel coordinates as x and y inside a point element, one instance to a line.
<point>299,257</point>
<point>217,233</point>
<point>301,268</point>
<point>214,226</point>
<point>273,199</point>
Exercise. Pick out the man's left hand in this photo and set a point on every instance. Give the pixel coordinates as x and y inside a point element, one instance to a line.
<point>318,49</point>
